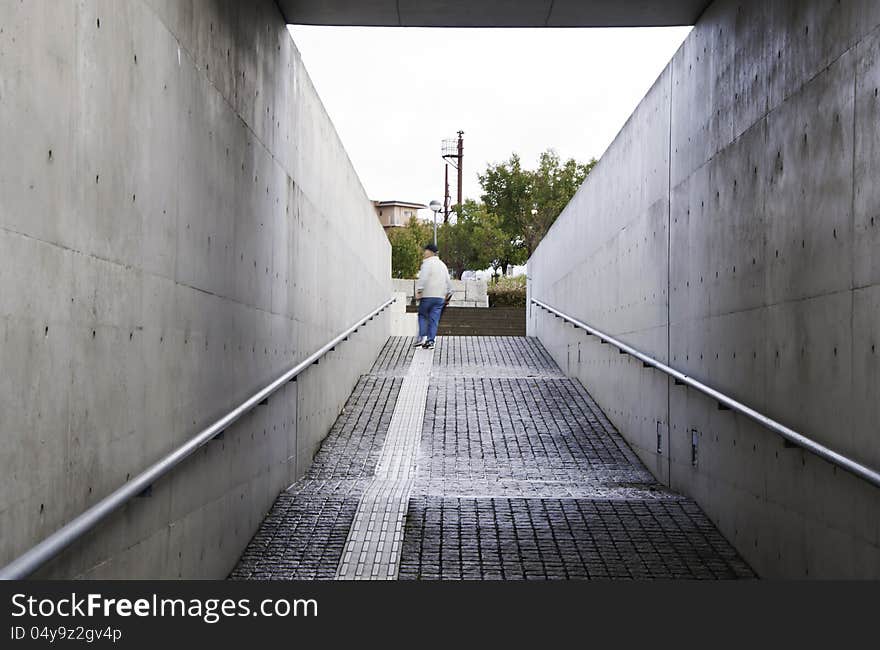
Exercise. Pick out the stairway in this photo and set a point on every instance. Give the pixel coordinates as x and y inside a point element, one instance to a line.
<point>494,321</point>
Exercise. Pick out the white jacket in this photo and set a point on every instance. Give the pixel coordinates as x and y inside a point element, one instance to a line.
<point>434,279</point>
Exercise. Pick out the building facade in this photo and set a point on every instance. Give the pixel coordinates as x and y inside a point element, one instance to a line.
<point>396,214</point>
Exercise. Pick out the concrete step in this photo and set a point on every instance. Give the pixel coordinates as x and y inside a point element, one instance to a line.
<point>494,321</point>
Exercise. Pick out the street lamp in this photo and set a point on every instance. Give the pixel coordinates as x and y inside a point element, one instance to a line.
<point>435,206</point>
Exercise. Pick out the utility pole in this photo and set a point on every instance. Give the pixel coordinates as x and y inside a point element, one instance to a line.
<point>453,154</point>
<point>460,163</point>
<point>446,196</point>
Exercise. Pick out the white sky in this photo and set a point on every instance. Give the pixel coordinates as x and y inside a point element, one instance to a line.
<point>394,94</point>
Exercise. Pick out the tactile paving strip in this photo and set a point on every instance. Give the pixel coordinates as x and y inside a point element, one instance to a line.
<point>372,550</point>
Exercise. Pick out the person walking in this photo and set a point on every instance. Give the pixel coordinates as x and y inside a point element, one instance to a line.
<point>433,291</point>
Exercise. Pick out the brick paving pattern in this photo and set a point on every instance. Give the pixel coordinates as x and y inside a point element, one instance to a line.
<point>304,533</point>
<point>519,476</point>
<point>492,356</point>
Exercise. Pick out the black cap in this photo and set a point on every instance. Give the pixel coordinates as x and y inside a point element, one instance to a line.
<point>433,248</point>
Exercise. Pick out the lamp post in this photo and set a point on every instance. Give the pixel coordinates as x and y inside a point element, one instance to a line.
<point>435,206</point>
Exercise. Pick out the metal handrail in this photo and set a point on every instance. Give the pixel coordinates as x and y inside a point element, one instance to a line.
<point>728,403</point>
<point>35,557</point>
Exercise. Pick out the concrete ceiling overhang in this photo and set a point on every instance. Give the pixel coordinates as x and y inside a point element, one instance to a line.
<point>494,13</point>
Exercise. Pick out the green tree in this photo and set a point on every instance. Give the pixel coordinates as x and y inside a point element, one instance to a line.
<point>406,248</point>
<point>475,240</point>
<point>500,249</point>
<point>528,202</point>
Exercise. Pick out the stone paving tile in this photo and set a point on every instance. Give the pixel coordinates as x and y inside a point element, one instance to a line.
<point>302,538</point>
<point>492,356</point>
<point>304,534</point>
<point>524,437</point>
<point>354,445</point>
<point>395,358</point>
<point>520,476</point>
<point>545,539</point>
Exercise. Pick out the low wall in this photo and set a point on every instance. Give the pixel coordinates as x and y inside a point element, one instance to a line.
<point>470,293</point>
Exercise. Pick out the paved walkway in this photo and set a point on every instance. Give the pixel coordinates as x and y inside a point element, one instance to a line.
<point>480,460</point>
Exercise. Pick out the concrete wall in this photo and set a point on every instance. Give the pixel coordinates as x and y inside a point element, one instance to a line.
<point>733,231</point>
<point>179,223</point>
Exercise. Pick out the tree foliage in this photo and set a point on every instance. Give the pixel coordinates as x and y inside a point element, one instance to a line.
<point>406,247</point>
<point>475,240</point>
<point>528,202</point>
<point>518,207</point>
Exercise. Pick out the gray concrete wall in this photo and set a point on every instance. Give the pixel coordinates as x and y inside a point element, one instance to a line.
<point>179,224</point>
<point>732,230</point>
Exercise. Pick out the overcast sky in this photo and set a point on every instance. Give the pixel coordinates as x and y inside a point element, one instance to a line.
<point>394,94</point>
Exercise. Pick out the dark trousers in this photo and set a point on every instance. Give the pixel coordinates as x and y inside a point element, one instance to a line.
<point>429,316</point>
